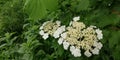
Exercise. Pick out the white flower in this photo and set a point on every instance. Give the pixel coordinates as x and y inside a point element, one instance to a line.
<point>56,34</point>
<point>60,41</point>
<point>95,51</point>
<point>59,31</point>
<point>58,23</point>
<point>76,18</point>
<point>41,27</point>
<point>64,35</point>
<point>41,32</point>
<point>65,45</point>
<point>99,34</point>
<point>45,36</point>
<point>93,26</point>
<point>72,48</point>
<point>98,45</point>
<point>70,23</point>
<point>45,23</point>
<point>87,53</point>
<point>75,51</point>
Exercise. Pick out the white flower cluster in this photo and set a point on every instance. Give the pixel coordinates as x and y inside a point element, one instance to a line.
<point>74,37</point>
<point>51,28</point>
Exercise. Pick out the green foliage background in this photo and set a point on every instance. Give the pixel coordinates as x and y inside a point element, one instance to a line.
<point>20,21</point>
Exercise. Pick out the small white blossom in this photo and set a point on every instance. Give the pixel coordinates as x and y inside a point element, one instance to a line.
<point>65,45</point>
<point>87,53</point>
<point>45,36</point>
<point>56,34</point>
<point>93,26</point>
<point>45,23</point>
<point>99,34</point>
<point>58,23</point>
<point>76,18</point>
<point>41,32</point>
<point>76,52</point>
<point>98,45</point>
<point>95,51</point>
<point>64,35</point>
<point>59,31</point>
<point>60,41</point>
<point>95,43</point>
<point>72,48</point>
<point>41,27</point>
<point>70,23</point>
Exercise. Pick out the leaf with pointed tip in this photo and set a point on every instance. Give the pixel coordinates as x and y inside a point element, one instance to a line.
<point>37,9</point>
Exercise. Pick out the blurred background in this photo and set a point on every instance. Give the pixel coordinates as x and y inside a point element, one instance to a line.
<point>20,21</point>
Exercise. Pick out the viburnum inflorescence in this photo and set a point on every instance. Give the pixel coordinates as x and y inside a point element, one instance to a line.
<point>75,37</point>
<point>51,28</point>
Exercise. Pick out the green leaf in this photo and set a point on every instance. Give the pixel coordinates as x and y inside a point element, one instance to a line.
<point>51,5</point>
<point>83,5</point>
<point>114,39</point>
<point>116,53</point>
<point>40,52</point>
<point>27,57</point>
<point>108,20</point>
<point>106,34</point>
<point>35,9</point>
<point>1,46</point>
<point>60,51</point>
<point>38,9</point>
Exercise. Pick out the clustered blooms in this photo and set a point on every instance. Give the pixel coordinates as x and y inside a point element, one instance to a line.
<point>51,28</point>
<point>75,37</point>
